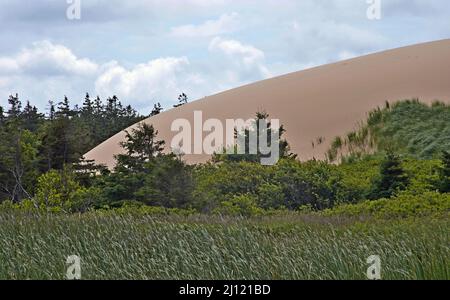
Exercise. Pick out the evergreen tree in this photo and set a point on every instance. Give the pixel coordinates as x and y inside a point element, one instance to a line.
<point>392,178</point>
<point>141,146</point>
<point>31,117</point>
<point>18,149</point>
<point>62,142</point>
<point>249,155</point>
<point>15,107</point>
<point>64,110</point>
<point>182,100</point>
<point>2,116</point>
<point>88,106</point>
<point>147,175</point>
<point>51,110</point>
<point>98,107</point>
<point>157,109</point>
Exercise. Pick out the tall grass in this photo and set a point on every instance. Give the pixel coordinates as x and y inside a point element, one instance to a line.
<point>409,127</point>
<point>34,246</point>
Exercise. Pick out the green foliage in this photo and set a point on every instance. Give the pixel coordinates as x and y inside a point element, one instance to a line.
<point>250,151</point>
<point>56,189</point>
<point>404,205</point>
<point>41,165</point>
<point>444,173</point>
<point>167,182</point>
<point>241,205</point>
<point>33,144</point>
<point>141,147</point>
<point>147,175</point>
<point>289,184</point>
<point>407,127</point>
<point>392,178</point>
<point>18,161</point>
<point>131,246</point>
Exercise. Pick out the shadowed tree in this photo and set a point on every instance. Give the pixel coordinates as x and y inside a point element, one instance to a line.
<point>141,146</point>
<point>182,100</point>
<point>265,131</point>
<point>157,109</point>
<point>444,174</point>
<point>392,178</point>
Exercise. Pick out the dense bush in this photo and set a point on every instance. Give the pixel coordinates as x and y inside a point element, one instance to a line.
<point>404,205</point>
<point>289,184</point>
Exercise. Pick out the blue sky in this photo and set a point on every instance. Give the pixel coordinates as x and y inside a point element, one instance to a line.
<point>151,51</point>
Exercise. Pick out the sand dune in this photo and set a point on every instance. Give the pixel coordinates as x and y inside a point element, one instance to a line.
<point>321,102</point>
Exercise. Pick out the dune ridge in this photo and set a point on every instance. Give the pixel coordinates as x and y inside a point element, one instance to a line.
<point>318,103</point>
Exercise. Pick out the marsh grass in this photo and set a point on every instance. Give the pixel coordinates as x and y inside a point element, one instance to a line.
<point>113,246</point>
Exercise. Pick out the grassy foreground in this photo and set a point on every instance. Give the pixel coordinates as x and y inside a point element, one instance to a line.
<point>115,246</point>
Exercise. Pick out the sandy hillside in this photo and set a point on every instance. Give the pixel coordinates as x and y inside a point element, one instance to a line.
<point>321,102</point>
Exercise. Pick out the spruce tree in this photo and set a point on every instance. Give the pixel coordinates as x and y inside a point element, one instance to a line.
<point>15,107</point>
<point>157,109</point>
<point>266,131</point>
<point>141,145</point>
<point>31,117</point>
<point>64,110</point>
<point>2,116</point>
<point>392,178</point>
<point>87,106</point>
<point>51,110</point>
<point>18,153</point>
<point>182,100</point>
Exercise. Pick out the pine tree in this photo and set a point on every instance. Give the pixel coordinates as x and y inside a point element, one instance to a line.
<point>87,105</point>
<point>182,100</point>
<point>261,118</point>
<point>15,107</point>
<point>141,146</point>
<point>2,116</point>
<point>64,110</point>
<point>51,110</point>
<point>31,117</point>
<point>157,109</point>
<point>98,107</point>
<point>18,149</point>
<point>392,178</point>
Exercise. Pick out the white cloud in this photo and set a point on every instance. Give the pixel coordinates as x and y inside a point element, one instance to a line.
<point>47,71</point>
<point>329,41</point>
<point>46,59</point>
<point>159,78</point>
<point>245,57</point>
<point>8,65</point>
<point>227,23</point>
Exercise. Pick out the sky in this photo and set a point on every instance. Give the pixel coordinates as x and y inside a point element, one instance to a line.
<point>151,51</point>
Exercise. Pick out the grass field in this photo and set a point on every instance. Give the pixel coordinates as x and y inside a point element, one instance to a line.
<point>114,246</point>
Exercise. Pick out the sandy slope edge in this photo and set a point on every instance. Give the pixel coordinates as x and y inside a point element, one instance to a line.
<point>321,102</point>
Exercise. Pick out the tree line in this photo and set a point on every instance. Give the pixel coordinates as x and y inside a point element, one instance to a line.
<point>41,166</point>
<point>33,143</point>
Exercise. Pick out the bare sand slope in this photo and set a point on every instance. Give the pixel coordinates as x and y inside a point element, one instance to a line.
<point>326,101</point>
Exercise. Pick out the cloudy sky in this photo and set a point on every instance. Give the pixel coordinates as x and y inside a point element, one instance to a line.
<point>152,50</point>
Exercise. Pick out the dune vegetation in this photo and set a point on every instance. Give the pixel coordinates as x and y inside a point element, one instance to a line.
<point>289,246</point>
<point>155,217</point>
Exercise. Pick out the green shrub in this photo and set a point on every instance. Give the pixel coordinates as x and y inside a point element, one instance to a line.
<point>404,205</point>
<point>242,205</point>
<point>56,189</point>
